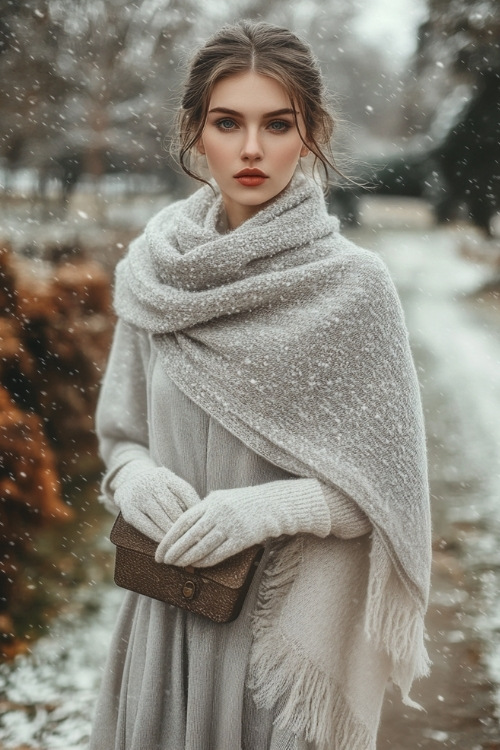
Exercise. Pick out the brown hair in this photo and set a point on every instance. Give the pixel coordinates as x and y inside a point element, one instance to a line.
<point>269,50</point>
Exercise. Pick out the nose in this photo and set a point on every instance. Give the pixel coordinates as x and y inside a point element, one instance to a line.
<point>252,148</point>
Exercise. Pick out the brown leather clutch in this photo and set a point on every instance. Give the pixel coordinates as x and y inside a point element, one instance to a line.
<point>217,592</point>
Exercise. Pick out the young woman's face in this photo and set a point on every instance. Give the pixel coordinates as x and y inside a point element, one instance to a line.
<point>251,142</point>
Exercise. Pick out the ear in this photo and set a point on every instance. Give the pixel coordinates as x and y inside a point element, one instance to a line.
<point>304,150</point>
<point>200,146</point>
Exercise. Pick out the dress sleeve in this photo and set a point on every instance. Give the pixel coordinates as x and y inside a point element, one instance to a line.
<point>292,506</point>
<point>122,410</point>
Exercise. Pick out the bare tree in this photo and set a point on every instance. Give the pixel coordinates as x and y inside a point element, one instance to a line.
<point>91,85</point>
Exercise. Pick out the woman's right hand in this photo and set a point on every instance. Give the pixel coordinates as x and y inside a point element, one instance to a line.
<point>152,500</point>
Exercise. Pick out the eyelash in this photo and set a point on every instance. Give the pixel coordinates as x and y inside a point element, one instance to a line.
<point>285,126</point>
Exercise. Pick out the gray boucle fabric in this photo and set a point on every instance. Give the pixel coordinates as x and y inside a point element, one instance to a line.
<point>294,340</point>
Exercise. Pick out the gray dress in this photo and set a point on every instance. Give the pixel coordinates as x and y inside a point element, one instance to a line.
<point>174,680</point>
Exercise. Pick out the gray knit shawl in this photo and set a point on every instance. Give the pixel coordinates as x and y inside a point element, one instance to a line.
<point>294,339</point>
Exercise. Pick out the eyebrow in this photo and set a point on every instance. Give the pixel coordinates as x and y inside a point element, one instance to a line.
<point>275,113</point>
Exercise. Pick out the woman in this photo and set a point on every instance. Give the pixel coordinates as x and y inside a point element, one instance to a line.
<point>260,389</point>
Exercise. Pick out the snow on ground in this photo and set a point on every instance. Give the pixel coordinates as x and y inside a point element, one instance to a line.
<point>47,697</point>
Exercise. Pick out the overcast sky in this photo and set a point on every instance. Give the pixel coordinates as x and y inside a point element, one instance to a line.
<point>391,24</point>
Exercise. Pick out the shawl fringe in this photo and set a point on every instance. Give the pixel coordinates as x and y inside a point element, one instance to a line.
<point>394,624</point>
<point>281,677</point>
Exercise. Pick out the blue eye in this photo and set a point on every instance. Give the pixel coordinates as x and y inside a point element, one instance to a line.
<point>279,126</point>
<point>225,124</point>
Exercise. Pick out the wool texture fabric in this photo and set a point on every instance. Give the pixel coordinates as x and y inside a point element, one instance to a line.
<point>229,521</point>
<point>177,681</point>
<point>152,498</point>
<point>293,338</point>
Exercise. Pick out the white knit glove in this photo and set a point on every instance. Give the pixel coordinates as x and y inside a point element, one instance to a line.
<point>228,521</point>
<point>152,499</point>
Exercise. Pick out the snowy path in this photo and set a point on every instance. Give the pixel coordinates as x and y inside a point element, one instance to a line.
<point>46,698</point>
<point>456,342</point>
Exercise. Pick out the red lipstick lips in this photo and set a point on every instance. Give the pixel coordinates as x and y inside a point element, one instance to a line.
<point>250,177</point>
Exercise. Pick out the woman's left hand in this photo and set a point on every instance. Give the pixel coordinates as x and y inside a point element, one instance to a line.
<point>205,535</point>
<point>228,521</point>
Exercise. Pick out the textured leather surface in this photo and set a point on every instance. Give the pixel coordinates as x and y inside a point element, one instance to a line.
<point>217,592</point>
